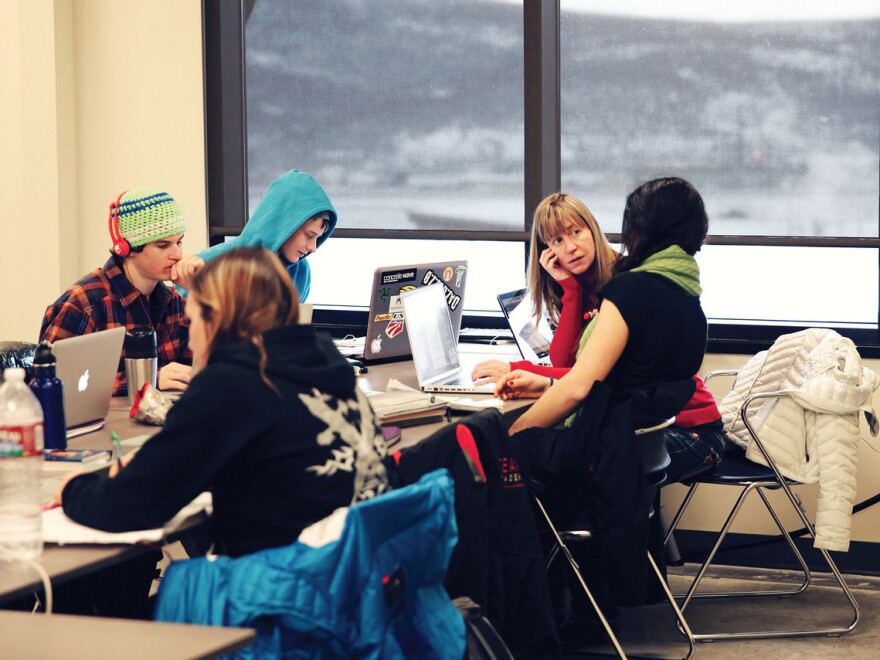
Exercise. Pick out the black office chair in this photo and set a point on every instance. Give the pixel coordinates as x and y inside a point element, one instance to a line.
<point>655,460</point>
<point>751,477</point>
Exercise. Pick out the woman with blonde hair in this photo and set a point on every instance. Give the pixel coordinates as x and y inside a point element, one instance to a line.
<point>272,423</point>
<point>569,261</point>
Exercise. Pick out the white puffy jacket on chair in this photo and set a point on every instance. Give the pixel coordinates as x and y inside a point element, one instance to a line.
<point>812,434</point>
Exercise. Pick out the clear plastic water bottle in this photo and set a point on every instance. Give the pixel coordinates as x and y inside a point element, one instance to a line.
<point>21,459</point>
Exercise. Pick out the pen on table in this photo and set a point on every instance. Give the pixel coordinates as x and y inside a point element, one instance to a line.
<point>115,439</point>
<point>48,506</point>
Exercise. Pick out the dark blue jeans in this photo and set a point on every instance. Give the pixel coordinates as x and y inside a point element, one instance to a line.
<point>694,452</point>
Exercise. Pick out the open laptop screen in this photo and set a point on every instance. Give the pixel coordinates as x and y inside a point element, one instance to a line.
<point>435,351</point>
<point>532,339</point>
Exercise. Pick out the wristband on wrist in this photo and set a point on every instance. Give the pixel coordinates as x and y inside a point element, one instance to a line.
<point>551,381</point>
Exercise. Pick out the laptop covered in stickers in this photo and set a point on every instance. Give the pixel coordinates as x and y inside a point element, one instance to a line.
<point>386,337</point>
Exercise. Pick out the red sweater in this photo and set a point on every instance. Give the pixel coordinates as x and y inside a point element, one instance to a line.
<point>563,347</point>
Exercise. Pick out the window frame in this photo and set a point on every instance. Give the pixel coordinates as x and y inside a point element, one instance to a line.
<point>226,167</point>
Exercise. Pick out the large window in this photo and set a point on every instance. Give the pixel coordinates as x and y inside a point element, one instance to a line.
<point>409,113</point>
<point>447,121</point>
<point>770,110</point>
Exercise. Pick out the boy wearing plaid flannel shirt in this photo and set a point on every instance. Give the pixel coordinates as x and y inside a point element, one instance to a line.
<point>147,228</point>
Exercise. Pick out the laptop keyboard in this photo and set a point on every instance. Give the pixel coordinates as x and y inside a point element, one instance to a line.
<point>463,385</point>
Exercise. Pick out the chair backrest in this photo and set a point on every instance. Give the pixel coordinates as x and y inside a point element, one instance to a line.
<point>376,591</point>
<point>651,448</point>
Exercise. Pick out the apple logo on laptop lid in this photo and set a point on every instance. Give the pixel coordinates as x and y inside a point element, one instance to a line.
<point>83,381</point>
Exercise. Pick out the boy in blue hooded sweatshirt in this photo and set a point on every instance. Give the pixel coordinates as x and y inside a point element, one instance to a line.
<point>292,220</point>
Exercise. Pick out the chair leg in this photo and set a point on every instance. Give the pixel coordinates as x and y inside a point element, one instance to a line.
<point>796,503</point>
<point>692,489</point>
<point>679,615</point>
<point>552,556</point>
<point>560,545</point>
<point>776,593</point>
<point>771,634</point>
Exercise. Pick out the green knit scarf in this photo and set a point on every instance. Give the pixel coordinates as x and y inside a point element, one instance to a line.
<point>672,263</point>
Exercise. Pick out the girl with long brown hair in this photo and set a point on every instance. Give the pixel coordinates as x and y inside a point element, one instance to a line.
<point>272,423</point>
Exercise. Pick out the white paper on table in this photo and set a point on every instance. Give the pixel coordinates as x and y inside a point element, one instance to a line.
<point>58,528</point>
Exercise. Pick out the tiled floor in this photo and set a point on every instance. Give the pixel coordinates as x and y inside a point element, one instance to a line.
<point>651,631</point>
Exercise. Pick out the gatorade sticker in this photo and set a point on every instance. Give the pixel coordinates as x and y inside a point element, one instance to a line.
<point>382,317</point>
<point>447,274</point>
<point>395,327</point>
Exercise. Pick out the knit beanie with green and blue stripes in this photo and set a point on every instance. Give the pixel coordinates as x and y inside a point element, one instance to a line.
<point>147,215</point>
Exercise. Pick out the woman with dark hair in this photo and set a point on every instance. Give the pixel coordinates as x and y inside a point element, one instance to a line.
<point>650,328</point>
<point>649,334</point>
<point>272,424</point>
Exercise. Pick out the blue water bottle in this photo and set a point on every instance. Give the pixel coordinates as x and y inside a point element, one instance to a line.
<point>49,390</point>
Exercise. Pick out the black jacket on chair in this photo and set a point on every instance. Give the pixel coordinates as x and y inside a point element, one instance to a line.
<point>593,468</point>
<point>498,561</point>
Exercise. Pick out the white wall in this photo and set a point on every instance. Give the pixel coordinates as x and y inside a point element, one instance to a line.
<point>98,96</point>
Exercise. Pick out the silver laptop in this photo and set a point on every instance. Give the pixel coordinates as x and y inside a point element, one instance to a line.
<point>386,331</point>
<point>533,339</point>
<point>433,344</point>
<point>87,367</point>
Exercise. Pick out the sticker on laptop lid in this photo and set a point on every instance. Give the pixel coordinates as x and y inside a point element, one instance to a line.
<point>396,304</point>
<point>395,327</point>
<point>399,276</point>
<point>452,299</point>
